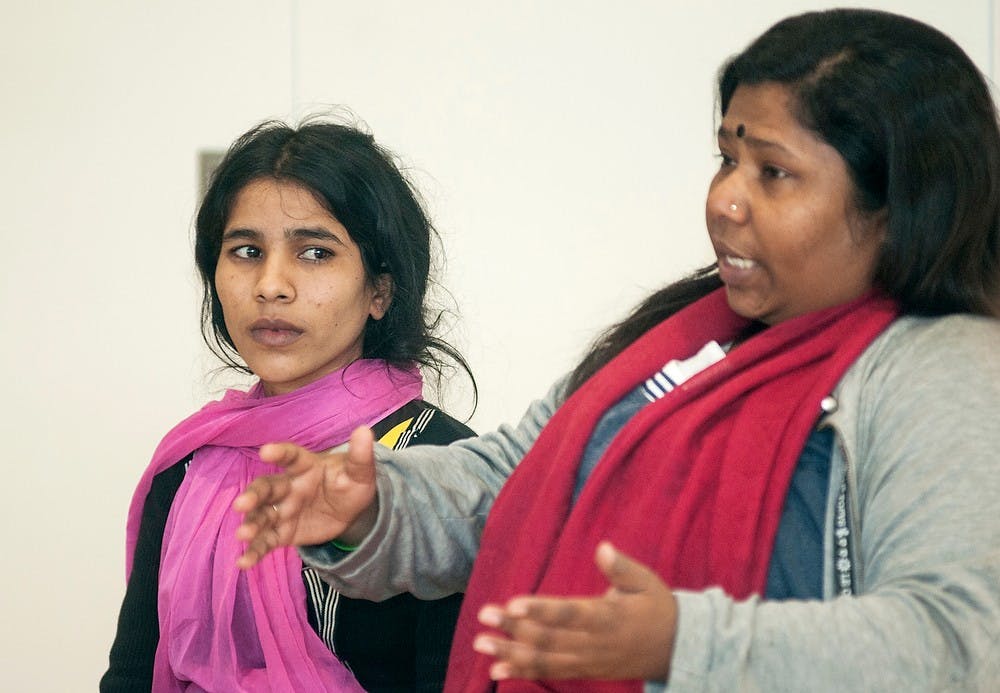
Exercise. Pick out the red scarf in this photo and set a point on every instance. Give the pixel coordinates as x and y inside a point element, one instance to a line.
<point>692,486</point>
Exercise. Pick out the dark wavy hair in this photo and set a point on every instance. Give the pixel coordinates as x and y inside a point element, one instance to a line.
<point>362,187</point>
<point>913,119</point>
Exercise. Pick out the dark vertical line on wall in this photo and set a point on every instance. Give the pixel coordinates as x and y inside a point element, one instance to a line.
<point>990,31</point>
<point>293,57</point>
<point>991,41</point>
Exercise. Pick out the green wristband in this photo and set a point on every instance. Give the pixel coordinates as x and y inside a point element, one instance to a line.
<point>346,548</point>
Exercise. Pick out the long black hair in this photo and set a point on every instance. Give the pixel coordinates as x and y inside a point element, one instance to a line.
<point>362,187</point>
<point>913,119</point>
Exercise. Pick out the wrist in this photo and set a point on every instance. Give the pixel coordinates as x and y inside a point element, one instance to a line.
<point>355,534</point>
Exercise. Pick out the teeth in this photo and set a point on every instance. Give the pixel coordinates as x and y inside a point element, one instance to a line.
<point>740,262</point>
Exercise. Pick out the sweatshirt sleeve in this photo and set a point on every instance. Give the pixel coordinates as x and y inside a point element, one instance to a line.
<point>924,444</point>
<point>433,502</point>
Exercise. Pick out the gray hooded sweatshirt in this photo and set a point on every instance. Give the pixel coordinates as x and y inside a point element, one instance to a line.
<point>917,441</point>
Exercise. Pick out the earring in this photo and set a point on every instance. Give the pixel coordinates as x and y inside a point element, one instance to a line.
<point>733,207</point>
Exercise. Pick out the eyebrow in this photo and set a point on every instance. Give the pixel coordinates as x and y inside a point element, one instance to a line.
<point>316,233</point>
<point>756,142</point>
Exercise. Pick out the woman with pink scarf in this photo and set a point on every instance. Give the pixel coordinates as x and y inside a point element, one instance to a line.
<point>314,252</point>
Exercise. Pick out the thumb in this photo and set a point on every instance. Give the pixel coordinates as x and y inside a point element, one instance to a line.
<point>360,465</point>
<point>624,573</point>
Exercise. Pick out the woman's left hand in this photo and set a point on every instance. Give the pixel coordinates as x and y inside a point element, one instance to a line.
<point>627,633</point>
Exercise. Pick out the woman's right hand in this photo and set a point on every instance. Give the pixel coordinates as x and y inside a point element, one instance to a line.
<point>318,497</point>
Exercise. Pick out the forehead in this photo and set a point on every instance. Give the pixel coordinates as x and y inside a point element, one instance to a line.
<point>765,114</point>
<point>769,105</point>
<point>270,197</point>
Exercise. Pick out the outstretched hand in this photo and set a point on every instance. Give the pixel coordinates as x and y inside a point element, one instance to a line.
<point>626,633</point>
<point>318,497</point>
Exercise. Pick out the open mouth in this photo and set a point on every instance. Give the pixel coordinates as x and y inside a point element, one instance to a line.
<point>741,263</point>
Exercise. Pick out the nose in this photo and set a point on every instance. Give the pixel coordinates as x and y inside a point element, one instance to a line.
<point>274,282</point>
<point>727,198</point>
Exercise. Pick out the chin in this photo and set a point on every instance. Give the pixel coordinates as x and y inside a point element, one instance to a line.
<point>743,306</point>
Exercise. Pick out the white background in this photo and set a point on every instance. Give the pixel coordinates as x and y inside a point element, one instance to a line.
<point>564,149</point>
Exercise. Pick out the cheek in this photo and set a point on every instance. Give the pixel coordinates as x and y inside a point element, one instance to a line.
<point>232,294</point>
<point>801,242</point>
<point>224,289</point>
<point>819,262</point>
<point>337,304</point>
<point>346,297</point>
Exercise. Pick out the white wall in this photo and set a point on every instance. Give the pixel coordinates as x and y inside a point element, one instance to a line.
<point>564,149</point>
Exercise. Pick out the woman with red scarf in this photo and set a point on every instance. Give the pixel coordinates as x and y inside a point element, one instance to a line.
<point>780,473</point>
<point>314,253</point>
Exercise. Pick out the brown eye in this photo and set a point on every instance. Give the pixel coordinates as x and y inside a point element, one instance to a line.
<point>774,172</point>
<point>246,252</point>
<point>315,254</point>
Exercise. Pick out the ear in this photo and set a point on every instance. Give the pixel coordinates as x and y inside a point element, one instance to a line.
<point>880,224</point>
<point>869,228</point>
<point>382,296</point>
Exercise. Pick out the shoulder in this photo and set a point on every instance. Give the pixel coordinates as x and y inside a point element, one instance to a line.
<point>924,384</point>
<point>927,338</point>
<point>924,398</point>
<point>929,355</point>
<point>419,423</point>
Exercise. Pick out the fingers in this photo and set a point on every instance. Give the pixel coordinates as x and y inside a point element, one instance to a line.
<point>263,515</point>
<point>518,660</point>
<point>548,623</point>
<point>252,555</point>
<point>533,650</point>
<point>316,497</point>
<point>288,455</point>
<point>261,493</point>
<point>272,489</point>
<point>625,575</point>
<point>625,633</point>
<point>261,505</point>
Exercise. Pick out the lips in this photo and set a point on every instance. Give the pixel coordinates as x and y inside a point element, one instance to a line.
<point>734,268</point>
<point>271,332</point>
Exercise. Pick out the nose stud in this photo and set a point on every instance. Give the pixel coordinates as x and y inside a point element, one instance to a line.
<point>733,207</point>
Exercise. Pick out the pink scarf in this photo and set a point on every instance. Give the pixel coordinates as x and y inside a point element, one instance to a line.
<point>692,486</point>
<point>223,629</point>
